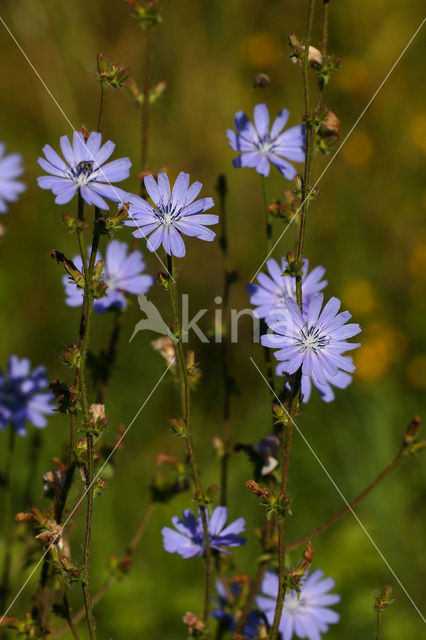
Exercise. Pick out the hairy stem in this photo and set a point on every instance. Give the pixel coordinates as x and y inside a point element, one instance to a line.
<point>78,617</point>
<point>294,401</point>
<point>86,316</point>
<point>328,523</point>
<point>309,148</point>
<point>102,100</point>
<point>145,105</point>
<point>186,411</point>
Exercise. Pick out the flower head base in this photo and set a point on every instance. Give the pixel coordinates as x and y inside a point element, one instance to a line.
<point>259,146</point>
<point>272,291</point>
<point>10,169</point>
<point>83,171</point>
<point>173,213</point>
<point>188,540</point>
<point>305,614</point>
<point>314,342</point>
<point>20,397</point>
<point>122,274</point>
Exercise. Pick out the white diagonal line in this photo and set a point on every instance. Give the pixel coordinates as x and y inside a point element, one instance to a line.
<point>341,495</point>
<point>85,492</point>
<point>74,129</point>
<point>344,141</point>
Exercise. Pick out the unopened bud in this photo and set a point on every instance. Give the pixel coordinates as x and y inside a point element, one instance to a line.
<point>384,599</point>
<point>412,430</point>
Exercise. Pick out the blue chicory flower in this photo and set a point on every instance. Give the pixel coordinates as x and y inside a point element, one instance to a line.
<point>188,540</point>
<point>259,146</point>
<point>122,274</point>
<point>21,399</point>
<point>315,342</point>
<point>224,607</point>
<point>172,214</point>
<point>271,292</point>
<point>10,169</point>
<point>83,171</point>
<point>305,614</point>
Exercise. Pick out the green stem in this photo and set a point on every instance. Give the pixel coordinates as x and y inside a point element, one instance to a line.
<point>7,518</point>
<point>268,234</point>
<point>186,411</point>
<point>309,148</point>
<point>78,617</point>
<point>102,101</point>
<point>145,105</point>
<point>294,401</point>
<point>379,625</point>
<point>325,22</point>
<point>86,316</point>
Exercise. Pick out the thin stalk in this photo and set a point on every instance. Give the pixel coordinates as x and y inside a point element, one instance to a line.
<point>69,618</point>
<point>102,100</point>
<point>226,376</point>
<point>145,116</point>
<point>379,625</point>
<point>264,328</point>
<point>328,523</point>
<point>309,147</point>
<point>186,411</point>
<point>86,316</point>
<point>294,402</point>
<point>78,617</point>
<point>146,88</point>
<point>325,21</point>
<point>257,582</point>
<point>7,518</point>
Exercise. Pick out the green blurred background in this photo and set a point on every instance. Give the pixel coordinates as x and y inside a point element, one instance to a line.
<point>367,228</point>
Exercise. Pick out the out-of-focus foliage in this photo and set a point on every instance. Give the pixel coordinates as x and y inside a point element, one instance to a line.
<point>367,227</point>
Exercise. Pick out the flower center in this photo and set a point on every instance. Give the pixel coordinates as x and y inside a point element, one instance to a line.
<point>311,339</point>
<point>83,173</point>
<point>167,214</point>
<point>293,604</point>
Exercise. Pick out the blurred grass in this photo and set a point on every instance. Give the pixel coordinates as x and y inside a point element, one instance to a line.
<point>367,228</point>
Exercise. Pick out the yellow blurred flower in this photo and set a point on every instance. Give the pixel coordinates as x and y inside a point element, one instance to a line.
<point>358,149</point>
<point>416,372</point>
<point>263,50</point>
<point>380,346</point>
<point>358,297</point>
<point>417,131</point>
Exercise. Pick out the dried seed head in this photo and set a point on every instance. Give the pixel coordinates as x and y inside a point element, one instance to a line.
<point>330,126</point>
<point>97,411</point>
<point>194,623</point>
<point>165,347</point>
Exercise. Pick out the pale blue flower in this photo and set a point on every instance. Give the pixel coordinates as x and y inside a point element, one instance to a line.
<point>84,171</point>
<point>259,146</point>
